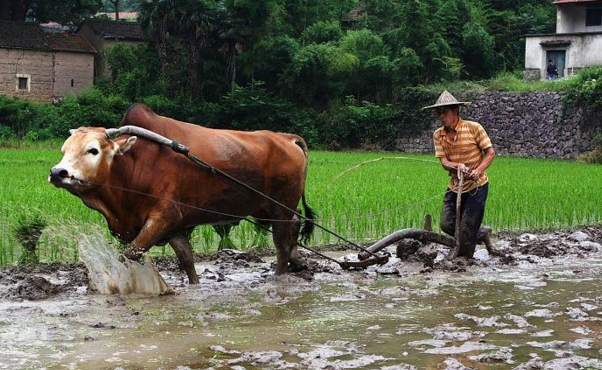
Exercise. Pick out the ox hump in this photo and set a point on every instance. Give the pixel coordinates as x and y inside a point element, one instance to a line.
<point>140,115</point>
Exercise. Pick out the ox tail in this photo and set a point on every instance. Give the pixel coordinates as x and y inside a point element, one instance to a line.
<point>308,222</point>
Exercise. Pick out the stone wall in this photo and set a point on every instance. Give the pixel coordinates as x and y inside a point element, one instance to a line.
<point>522,125</point>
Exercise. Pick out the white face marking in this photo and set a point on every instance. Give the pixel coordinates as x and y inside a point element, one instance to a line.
<point>82,160</point>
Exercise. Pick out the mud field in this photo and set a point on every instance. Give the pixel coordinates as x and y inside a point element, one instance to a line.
<point>540,307</point>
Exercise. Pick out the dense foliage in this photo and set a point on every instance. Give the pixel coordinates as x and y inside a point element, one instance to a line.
<point>343,74</point>
<point>314,52</point>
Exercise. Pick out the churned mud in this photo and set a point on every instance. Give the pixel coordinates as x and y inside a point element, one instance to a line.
<point>538,307</point>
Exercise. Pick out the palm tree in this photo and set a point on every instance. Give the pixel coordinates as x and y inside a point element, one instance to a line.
<point>189,22</point>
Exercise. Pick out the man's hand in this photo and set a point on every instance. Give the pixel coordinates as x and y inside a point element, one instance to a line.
<point>475,174</point>
<point>462,168</point>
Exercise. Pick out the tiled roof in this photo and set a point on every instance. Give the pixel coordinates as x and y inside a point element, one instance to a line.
<point>576,1</point>
<point>19,35</point>
<point>125,30</point>
<point>69,42</point>
<point>29,36</point>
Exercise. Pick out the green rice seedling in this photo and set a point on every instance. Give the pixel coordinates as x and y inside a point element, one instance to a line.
<point>364,204</point>
<point>208,236</point>
<point>28,232</point>
<point>225,242</point>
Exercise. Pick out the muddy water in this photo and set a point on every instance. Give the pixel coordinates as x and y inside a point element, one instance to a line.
<point>541,312</point>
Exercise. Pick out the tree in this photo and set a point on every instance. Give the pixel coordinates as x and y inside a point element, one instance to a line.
<point>14,10</point>
<point>181,24</point>
<point>66,12</point>
<point>420,31</point>
<point>274,54</point>
<point>306,80</point>
<point>245,25</point>
<point>321,32</point>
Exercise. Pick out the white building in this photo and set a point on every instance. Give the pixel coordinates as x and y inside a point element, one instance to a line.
<point>576,44</point>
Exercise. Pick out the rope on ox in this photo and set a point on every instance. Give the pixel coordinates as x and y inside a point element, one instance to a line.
<point>183,149</point>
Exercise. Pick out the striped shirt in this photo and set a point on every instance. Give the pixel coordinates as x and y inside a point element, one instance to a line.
<point>467,147</point>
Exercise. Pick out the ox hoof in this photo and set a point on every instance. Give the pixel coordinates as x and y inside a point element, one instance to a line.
<point>132,254</point>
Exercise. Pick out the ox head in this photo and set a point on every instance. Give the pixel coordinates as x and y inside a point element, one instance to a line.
<point>87,157</point>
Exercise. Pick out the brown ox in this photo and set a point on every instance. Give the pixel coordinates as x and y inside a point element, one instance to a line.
<point>151,195</point>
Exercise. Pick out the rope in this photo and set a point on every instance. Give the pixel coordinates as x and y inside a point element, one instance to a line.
<point>263,227</point>
<point>380,159</point>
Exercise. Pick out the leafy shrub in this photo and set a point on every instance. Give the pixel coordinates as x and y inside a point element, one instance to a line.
<point>253,108</point>
<point>355,126</point>
<point>587,89</point>
<point>90,108</point>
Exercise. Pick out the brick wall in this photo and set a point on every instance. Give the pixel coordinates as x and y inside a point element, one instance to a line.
<point>36,65</point>
<point>73,72</point>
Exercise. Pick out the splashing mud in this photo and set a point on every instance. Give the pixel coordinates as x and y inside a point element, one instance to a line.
<point>525,312</point>
<point>110,274</point>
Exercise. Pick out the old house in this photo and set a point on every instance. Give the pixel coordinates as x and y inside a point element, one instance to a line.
<point>576,44</point>
<point>43,66</point>
<point>103,33</point>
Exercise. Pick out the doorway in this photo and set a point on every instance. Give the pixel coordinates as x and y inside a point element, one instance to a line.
<point>559,58</point>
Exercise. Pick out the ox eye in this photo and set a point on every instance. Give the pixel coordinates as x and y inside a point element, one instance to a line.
<point>93,151</point>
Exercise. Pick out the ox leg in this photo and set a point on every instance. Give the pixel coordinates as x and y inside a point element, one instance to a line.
<point>286,235</point>
<point>181,245</point>
<point>296,260</point>
<point>148,236</point>
<point>282,236</point>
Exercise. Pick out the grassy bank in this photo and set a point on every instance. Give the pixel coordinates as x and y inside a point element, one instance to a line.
<point>363,204</point>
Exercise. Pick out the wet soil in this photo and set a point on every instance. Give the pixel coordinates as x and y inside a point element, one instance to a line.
<point>538,307</point>
<point>42,281</point>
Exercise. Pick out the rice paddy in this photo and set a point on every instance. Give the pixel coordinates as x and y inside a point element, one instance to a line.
<point>362,204</point>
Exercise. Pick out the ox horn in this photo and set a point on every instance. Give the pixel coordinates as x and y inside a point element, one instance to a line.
<point>113,132</point>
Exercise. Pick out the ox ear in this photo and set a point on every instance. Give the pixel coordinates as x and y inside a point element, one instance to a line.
<point>124,145</point>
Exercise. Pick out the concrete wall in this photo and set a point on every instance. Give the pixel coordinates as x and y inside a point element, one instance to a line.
<point>75,69</point>
<point>521,125</point>
<point>35,65</point>
<point>570,18</point>
<point>585,50</point>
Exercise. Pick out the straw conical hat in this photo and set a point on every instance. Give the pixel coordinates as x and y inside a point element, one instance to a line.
<point>446,99</point>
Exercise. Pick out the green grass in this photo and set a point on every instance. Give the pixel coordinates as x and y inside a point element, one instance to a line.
<point>507,82</point>
<point>364,204</point>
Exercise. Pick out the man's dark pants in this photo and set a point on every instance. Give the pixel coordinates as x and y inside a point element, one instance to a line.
<point>472,211</point>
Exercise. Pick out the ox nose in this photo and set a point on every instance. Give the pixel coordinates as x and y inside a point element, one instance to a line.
<point>56,174</point>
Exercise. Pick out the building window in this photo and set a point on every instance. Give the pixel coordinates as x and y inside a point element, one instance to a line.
<point>593,15</point>
<point>23,82</point>
<point>72,83</point>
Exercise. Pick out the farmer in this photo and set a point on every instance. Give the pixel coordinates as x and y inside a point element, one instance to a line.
<point>463,146</point>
